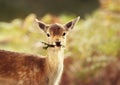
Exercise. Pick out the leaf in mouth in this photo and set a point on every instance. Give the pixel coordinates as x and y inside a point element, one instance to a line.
<point>47,45</point>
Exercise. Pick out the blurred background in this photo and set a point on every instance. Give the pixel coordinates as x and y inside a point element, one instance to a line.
<point>92,56</point>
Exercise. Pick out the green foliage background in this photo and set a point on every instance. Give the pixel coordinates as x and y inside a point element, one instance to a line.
<point>92,45</point>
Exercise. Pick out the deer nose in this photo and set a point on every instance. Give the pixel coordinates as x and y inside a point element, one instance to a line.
<point>58,43</point>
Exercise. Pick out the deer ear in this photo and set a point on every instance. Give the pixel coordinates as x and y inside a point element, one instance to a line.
<point>71,24</point>
<point>41,24</point>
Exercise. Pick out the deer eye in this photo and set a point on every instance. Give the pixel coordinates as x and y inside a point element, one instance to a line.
<point>48,34</point>
<point>64,34</point>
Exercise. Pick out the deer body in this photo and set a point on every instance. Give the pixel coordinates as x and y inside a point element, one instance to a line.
<point>26,69</point>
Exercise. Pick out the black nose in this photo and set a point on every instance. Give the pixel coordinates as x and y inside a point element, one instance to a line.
<point>58,43</point>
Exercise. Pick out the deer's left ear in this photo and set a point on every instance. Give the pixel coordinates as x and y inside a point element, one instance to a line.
<point>71,24</point>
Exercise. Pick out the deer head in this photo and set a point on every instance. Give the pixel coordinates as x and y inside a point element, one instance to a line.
<point>56,33</point>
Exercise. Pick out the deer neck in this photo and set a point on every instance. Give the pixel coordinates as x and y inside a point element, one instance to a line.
<point>56,57</point>
<point>55,60</point>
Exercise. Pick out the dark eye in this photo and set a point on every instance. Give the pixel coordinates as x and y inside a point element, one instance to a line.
<point>48,35</point>
<point>64,34</point>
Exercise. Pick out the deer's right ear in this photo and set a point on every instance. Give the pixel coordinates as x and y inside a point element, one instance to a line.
<point>42,25</point>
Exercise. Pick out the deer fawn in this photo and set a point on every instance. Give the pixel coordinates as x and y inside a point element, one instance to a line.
<point>25,69</point>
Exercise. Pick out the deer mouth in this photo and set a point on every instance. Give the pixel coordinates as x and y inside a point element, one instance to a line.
<point>58,44</point>
<point>47,45</point>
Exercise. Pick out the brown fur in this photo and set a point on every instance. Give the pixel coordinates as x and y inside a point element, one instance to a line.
<point>56,29</point>
<point>22,67</point>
